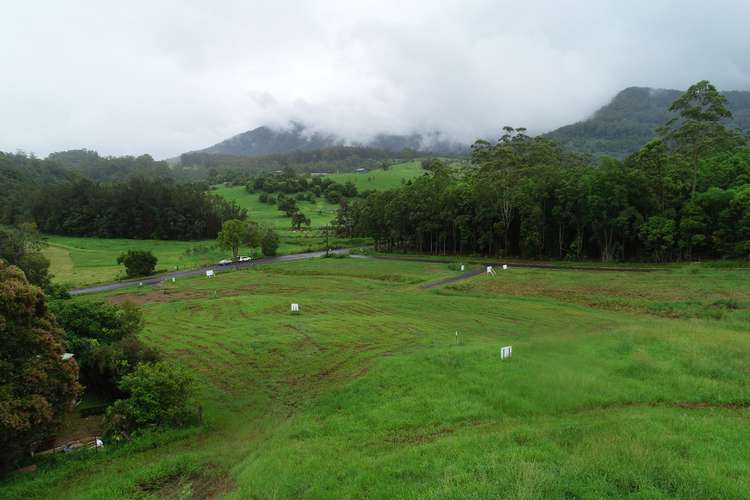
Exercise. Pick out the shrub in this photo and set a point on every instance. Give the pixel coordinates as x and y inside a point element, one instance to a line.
<point>159,395</point>
<point>36,384</point>
<point>138,262</point>
<point>270,243</point>
<point>104,340</point>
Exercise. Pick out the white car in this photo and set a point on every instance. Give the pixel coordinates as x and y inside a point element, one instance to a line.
<point>243,258</point>
<point>225,262</point>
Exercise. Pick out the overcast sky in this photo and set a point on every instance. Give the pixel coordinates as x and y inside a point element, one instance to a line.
<point>165,77</point>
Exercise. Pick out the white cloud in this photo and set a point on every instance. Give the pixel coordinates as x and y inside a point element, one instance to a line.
<point>167,77</point>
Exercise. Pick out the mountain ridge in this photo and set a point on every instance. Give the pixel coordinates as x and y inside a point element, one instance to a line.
<point>265,141</point>
<point>631,119</point>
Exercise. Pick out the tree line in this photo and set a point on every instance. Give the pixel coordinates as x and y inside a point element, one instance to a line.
<point>683,195</point>
<point>137,208</point>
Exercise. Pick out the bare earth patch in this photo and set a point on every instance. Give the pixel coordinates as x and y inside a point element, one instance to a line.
<point>207,482</point>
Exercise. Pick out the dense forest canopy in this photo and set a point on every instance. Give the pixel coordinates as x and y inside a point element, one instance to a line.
<point>59,200</point>
<point>137,208</point>
<point>683,195</point>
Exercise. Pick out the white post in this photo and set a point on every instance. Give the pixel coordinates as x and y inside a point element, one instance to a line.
<point>506,352</point>
<point>462,267</point>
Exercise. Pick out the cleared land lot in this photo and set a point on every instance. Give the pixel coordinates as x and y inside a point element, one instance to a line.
<point>621,385</point>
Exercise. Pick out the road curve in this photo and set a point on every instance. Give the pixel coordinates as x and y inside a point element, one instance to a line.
<point>153,280</point>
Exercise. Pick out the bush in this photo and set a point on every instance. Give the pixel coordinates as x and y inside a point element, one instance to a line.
<point>270,243</point>
<point>159,395</point>
<point>104,340</point>
<point>138,262</point>
<point>36,384</point>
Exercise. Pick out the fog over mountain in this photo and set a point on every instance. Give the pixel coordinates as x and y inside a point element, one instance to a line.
<point>295,137</point>
<point>174,76</point>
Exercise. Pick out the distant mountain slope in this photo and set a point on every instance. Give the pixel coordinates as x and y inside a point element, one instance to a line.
<point>631,119</point>
<point>265,141</point>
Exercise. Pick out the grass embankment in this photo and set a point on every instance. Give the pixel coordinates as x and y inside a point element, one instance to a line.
<point>620,386</point>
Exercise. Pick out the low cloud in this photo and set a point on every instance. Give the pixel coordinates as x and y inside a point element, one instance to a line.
<point>168,77</point>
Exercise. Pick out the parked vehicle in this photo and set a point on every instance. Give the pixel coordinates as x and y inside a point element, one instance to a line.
<point>243,258</point>
<point>225,262</point>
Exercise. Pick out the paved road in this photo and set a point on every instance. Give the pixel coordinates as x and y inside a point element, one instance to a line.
<point>153,280</point>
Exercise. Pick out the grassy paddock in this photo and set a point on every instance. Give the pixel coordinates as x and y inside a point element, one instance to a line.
<point>80,261</point>
<point>379,179</point>
<point>320,212</point>
<point>367,392</point>
<point>83,261</point>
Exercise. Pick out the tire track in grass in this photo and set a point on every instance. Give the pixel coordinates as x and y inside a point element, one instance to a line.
<point>452,279</point>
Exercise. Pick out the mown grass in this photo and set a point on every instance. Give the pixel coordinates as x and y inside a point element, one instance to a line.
<point>81,261</point>
<point>686,291</point>
<point>367,392</point>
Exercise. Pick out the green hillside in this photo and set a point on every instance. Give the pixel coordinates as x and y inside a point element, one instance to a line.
<point>620,385</point>
<point>630,120</point>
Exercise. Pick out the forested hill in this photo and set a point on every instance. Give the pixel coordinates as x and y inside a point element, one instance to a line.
<point>631,119</point>
<point>266,141</point>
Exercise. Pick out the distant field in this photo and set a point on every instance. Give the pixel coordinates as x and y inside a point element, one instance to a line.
<point>83,261</point>
<point>320,212</point>
<point>621,385</point>
<point>379,179</point>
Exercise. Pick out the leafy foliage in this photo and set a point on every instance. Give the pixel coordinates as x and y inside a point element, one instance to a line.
<point>137,208</point>
<point>159,395</point>
<point>21,246</point>
<point>36,384</point>
<point>235,233</point>
<point>104,339</point>
<point>269,244</point>
<point>138,262</point>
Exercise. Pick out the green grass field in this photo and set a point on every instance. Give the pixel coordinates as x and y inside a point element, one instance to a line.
<point>320,212</point>
<point>379,179</point>
<point>83,261</point>
<point>622,385</point>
